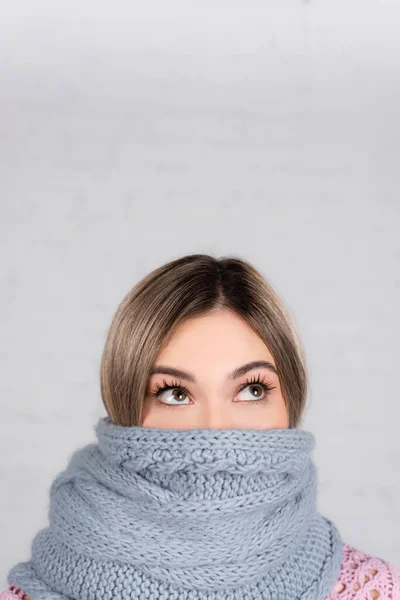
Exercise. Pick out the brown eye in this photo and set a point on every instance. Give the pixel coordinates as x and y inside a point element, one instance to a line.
<point>173,397</point>
<point>171,394</point>
<point>178,394</point>
<point>255,391</point>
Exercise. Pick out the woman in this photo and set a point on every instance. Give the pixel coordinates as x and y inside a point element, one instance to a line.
<point>201,483</point>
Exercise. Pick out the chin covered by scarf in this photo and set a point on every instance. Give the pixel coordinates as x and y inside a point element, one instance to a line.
<point>199,514</point>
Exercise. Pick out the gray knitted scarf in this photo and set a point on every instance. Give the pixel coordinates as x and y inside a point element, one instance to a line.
<point>199,514</point>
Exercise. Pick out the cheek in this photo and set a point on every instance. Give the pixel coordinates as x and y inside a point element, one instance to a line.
<point>283,418</point>
<point>279,413</point>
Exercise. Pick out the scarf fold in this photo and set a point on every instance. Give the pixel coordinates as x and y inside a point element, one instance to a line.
<point>199,514</point>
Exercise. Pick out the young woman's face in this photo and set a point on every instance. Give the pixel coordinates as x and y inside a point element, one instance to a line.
<point>199,363</point>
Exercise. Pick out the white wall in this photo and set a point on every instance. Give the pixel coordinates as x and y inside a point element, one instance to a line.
<point>133,133</point>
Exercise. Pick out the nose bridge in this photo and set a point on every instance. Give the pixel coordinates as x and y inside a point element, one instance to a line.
<point>214,413</point>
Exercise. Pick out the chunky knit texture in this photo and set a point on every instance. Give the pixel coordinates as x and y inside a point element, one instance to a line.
<point>199,514</point>
<point>361,577</point>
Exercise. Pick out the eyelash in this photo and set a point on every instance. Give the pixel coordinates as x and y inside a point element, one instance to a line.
<point>267,387</point>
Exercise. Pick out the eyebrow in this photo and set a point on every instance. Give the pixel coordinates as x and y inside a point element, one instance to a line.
<point>238,372</point>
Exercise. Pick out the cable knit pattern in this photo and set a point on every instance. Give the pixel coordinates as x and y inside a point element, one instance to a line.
<point>362,577</point>
<point>200,514</point>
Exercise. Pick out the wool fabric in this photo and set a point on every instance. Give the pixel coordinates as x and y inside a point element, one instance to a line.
<point>197,514</point>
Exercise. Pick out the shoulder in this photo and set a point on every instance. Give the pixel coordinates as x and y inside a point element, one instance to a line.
<point>362,577</point>
<point>365,577</point>
<point>13,593</point>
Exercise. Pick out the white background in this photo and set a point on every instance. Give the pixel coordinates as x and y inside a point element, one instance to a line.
<point>133,133</point>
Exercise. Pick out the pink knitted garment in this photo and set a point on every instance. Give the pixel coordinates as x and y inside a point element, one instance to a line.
<point>12,592</point>
<point>365,577</point>
<point>362,577</point>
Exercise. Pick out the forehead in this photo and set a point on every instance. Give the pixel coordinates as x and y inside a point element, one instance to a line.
<point>218,341</point>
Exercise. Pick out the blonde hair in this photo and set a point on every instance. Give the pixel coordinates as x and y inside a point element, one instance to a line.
<point>184,288</point>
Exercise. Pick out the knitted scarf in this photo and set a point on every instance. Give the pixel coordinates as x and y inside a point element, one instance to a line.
<point>199,514</point>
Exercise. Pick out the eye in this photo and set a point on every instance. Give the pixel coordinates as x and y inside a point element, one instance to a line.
<point>258,390</point>
<point>179,392</point>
